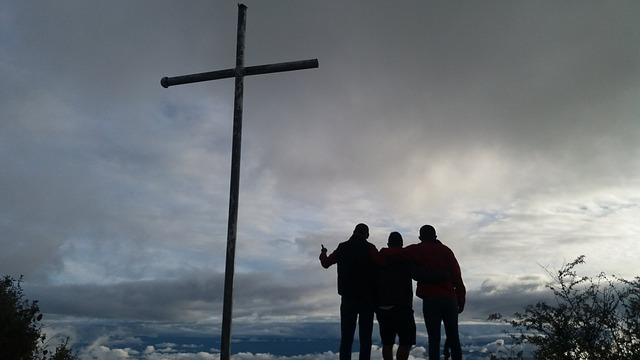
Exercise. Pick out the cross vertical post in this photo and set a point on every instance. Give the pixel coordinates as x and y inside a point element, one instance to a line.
<point>227,305</point>
<point>239,72</point>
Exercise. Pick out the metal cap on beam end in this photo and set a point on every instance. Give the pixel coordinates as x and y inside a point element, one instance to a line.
<point>164,82</point>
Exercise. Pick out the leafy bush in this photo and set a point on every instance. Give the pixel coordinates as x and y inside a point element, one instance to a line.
<point>593,318</point>
<point>21,335</point>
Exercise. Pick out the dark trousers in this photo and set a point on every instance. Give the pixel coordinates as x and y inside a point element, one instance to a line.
<point>438,310</point>
<point>360,310</point>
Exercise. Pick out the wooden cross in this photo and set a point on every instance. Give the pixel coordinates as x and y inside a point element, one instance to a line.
<point>239,72</point>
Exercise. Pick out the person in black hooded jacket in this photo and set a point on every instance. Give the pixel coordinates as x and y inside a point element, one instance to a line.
<point>357,277</point>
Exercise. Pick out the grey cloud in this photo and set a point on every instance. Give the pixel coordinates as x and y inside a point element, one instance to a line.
<point>506,297</point>
<point>504,71</point>
<point>153,300</point>
<point>195,296</point>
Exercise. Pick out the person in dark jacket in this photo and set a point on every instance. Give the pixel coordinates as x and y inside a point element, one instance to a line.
<point>395,304</point>
<point>357,276</point>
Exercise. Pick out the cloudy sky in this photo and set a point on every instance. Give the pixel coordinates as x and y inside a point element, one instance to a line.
<point>512,127</point>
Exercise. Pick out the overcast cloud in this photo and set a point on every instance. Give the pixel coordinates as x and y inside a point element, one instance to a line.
<point>512,127</point>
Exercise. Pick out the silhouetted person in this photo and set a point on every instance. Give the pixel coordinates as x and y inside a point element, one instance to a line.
<point>442,301</point>
<point>395,305</point>
<point>357,276</point>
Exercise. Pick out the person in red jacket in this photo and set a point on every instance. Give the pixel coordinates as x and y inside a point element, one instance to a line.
<point>357,280</point>
<point>442,301</point>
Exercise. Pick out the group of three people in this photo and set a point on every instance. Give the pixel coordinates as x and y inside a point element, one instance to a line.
<point>380,282</point>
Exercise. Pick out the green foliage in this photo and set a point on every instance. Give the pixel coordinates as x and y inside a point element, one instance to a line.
<point>21,336</point>
<point>20,331</point>
<point>592,318</point>
<point>64,352</point>
<point>514,351</point>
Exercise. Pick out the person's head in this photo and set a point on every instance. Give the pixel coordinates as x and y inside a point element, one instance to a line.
<point>427,233</point>
<point>361,230</point>
<point>395,240</point>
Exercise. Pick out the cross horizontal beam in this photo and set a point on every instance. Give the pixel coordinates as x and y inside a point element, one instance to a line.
<point>241,71</point>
